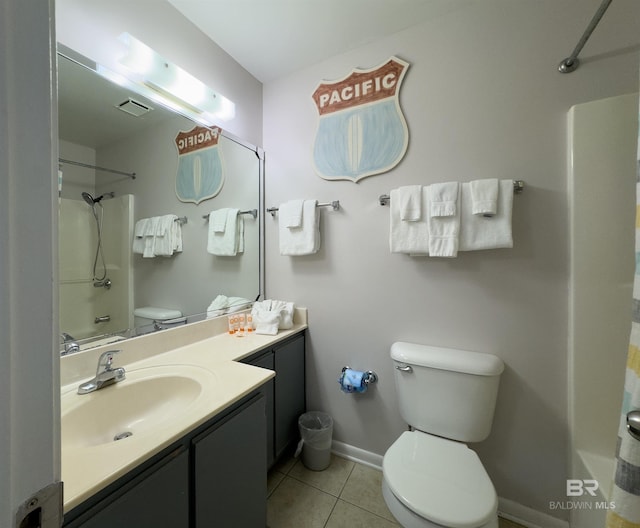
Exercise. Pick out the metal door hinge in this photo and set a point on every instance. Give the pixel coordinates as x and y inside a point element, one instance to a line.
<point>42,510</point>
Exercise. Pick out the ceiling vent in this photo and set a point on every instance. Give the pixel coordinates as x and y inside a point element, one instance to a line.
<point>133,107</point>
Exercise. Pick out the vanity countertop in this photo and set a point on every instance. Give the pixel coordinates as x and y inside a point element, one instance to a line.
<point>86,469</point>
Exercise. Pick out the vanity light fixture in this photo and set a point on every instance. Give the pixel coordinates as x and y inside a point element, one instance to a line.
<point>163,81</point>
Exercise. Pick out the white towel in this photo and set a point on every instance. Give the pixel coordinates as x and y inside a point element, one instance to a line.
<point>229,242</point>
<point>443,230</point>
<point>163,244</point>
<point>291,213</point>
<point>303,240</point>
<point>443,199</point>
<point>218,220</point>
<point>408,237</point>
<point>482,232</point>
<point>409,199</point>
<point>484,197</point>
<point>138,236</point>
<point>150,237</point>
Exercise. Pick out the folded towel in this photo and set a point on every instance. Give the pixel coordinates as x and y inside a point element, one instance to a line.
<point>443,230</point>
<point>291,213</point>
<point>303,240</point>
<point>218,220</point>
<point>266,323</point>
<point>163,244</point>
<point>283,309</point>
<point>482,232</point>
<point>218,306</point>
<point>150,237</point>
<point>443,198</point>
<point>229,242</point>
<point>138,236</point>
<point>409,200</point>
<point>408,237</point>
<point>484,197</point>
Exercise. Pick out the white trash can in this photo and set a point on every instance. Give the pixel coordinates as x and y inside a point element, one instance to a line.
<point>316,430</point>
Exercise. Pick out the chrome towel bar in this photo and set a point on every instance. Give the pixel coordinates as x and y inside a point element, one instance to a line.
<point>335,205</point>
<point>518,187</point>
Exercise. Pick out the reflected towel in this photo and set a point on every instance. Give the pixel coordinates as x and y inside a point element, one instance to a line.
<point>229,242</point>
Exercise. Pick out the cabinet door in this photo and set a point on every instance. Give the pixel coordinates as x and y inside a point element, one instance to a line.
<point>266,361</point>
<point>289,392</point>
<point>156,497</point>
<point>230,470</point>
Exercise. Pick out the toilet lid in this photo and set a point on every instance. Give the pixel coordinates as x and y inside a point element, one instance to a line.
<point>440,480</point>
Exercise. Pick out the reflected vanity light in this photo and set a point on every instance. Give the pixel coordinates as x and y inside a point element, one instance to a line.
<point>163,81</point>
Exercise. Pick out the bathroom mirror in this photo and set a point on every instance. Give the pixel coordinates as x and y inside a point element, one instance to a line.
<point>118,164</point>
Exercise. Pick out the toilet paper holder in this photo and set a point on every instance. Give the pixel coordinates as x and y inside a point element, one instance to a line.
<point>369,376</point>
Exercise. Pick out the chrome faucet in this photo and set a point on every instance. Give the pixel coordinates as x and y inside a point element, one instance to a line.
<point>70,344</point>
<point>105,374</point>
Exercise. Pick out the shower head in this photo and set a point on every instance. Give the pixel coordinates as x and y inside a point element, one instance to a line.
<point>90,199</point>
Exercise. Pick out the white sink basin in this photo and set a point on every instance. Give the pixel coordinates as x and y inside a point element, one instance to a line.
<point>146,400</point>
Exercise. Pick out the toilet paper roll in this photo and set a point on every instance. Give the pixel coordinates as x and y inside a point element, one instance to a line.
<point>352,381</point>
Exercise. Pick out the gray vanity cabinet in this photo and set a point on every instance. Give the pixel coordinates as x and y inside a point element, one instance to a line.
<point>230,471</point>
<point>159,496</point>
<point>286,392</point>
<point>215,476</point>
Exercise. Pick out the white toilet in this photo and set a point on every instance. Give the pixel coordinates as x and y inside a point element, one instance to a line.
<point>431,479</point>
<point>150,319</point>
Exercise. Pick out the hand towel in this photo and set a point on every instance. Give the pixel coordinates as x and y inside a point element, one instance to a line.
<point>229,242</point>
<point>163,243</point>
<point>409,199</point>
<point>218,306</point>
<point>266,323</point>
<point>291,213</point>
<point>303,240</point>
<point>482,232</point>
<point>484,197</point>
<point>443,199</point>
<point>218,220</point>
<point>443,230</point>
<point>138,236</point>
<point>408,237</point>
<point>151,229</point>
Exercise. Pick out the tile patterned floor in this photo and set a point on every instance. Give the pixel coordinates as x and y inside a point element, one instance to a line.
<point>346,494</point>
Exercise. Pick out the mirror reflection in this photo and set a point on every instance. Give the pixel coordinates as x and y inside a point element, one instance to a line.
<point>118,167</point>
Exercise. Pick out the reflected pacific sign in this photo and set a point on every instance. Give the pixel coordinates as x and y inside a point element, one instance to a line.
<point>200,173</point>
<point>361,128</point>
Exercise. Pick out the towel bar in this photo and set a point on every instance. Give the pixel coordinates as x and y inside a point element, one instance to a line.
<point>335,205</point>
<point>518,187</point>
<point>181,219</point>
<point>252,212</point>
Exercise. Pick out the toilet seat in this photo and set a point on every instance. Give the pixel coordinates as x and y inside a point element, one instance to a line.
<point>441,480</point>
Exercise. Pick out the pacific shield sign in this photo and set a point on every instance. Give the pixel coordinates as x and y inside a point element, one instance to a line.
<point>200,166</point>
<point>361,128</point>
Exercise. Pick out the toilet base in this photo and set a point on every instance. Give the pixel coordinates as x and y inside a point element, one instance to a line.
<point>409,519</point>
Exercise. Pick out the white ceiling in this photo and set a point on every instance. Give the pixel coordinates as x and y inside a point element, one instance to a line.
<point>272,38</point>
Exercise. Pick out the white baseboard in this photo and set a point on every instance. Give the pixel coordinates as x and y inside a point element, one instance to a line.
<point>357,455</point>
<point>528,517</point>
<point>508,509</point>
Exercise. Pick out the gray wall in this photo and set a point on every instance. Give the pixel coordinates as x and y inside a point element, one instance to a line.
<point>482,99</point>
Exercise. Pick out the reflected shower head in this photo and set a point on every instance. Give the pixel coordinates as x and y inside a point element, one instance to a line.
<point>90,199</point>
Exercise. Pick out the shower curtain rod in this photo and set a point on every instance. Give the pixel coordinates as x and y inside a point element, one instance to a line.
<point>571,63</point>
<point>131,175</point>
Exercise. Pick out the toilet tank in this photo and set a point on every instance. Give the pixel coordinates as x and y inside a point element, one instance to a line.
<point>446,392</point>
